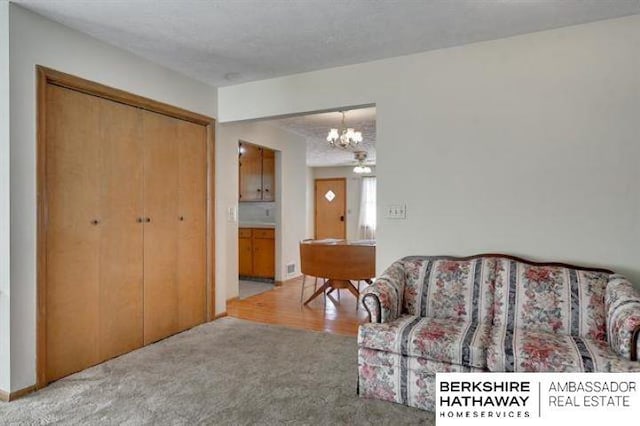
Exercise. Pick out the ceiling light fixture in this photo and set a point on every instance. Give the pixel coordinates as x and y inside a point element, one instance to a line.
<point>361,167</point>
<point>344,137</point>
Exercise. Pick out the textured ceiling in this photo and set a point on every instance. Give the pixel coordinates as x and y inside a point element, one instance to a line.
<point>224,42</point>
<point>314,128</point>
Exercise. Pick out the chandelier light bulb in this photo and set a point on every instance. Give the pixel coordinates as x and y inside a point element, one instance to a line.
<point>345,137</point>
<point>332,136</point>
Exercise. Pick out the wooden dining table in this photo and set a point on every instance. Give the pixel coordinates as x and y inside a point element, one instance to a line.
<point>340,262</point>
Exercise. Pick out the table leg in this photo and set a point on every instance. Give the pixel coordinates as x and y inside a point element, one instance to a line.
<point>329,284</point>
<point>353,289</point>
<point>319,291</point>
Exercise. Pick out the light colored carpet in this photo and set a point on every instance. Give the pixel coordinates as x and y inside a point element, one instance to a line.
<point>229,372</point>
<point>251,288</point>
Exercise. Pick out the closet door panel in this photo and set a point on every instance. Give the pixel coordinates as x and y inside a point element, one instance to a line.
<point>121,249</point>
<point>72,236</point>
<point>160,227</point>
<point>192,224</point>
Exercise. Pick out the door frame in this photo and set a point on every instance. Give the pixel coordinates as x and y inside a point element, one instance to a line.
<point>315,206</point>
<point>47,76</point>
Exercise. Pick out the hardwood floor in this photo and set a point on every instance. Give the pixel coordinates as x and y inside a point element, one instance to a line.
<point>282,306</point>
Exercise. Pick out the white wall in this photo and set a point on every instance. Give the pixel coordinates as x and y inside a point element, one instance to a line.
<point>291,193</point>
<point>5,247</point>
<point>526,145</point>
<point>37,41</point>
<point>354,187</point>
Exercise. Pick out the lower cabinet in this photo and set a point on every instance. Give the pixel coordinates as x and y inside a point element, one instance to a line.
<point>245,252</point>
<point>257,252</point>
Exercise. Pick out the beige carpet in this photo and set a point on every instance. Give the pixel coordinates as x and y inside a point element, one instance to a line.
<point>229,372</point>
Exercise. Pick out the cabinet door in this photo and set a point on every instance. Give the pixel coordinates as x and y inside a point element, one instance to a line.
<point>268,175</point>
<point>72,237</point>
<point>191,219</point>
<point>160,227</point>
<point>264,257</point>
<point>121,246</point>
<point>250,173</point>
<point>245,252</point>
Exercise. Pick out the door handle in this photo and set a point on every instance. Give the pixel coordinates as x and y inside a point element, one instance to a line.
<point>341,218</point>
<point>139,220</point>
<point>181,218</point>
<point>95,222</point>
<point>148,219</point>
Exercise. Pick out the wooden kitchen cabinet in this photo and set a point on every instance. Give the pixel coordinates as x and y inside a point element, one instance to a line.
<point>256,173</point>
<point>264,253</point>
<point>268,175</point>
<point>257,252</point>
<point>250,166</point>
<point>245,252</point>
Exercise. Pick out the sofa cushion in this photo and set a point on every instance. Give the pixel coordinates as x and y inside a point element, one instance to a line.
<point>525,350</point>
<point>405,380</point>
<point>437,339</point>
<point>443,288</point>
<point>549,298</point>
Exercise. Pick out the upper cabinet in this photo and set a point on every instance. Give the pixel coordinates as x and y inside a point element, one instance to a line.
<point>268,174</point>
<point>250,172</point>
<point>257,173</point>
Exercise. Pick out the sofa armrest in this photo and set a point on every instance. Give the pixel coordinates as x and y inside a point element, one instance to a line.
<point>383,299</point>
<point>622,304</point>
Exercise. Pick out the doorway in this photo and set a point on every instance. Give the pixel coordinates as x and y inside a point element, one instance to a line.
<point>258,209</point>
<point>330,208</point>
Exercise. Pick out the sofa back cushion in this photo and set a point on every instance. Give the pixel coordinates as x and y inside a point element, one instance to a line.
<point>550,298</point>
<point>444,288</point>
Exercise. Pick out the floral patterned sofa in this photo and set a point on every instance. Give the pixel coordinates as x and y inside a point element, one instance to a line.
<point>491,313</point>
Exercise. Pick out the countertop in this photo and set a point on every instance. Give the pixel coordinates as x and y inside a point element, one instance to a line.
<point>256,225</point>
<point>338,242</point>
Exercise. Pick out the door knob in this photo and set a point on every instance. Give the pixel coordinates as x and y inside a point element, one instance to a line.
<point>341,218</point>
<point>95,222</point>
<point>181,218</point>
<point>148,219</point>
<point>139,220</point>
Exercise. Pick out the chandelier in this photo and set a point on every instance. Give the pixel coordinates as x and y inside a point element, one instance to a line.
<point>361,167</point>
<point>345,137</point>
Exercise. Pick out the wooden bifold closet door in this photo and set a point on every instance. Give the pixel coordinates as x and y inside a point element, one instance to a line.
<point>121,251</point>
<point>161,227</point>
<point>174,249</point>
<point>125,228</point>
<point>192,225</point>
